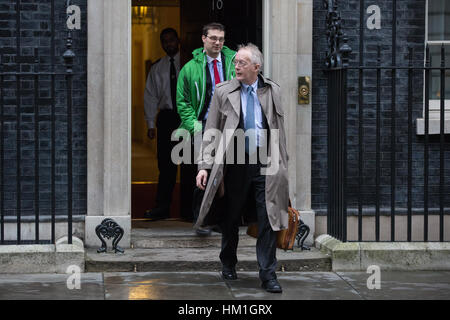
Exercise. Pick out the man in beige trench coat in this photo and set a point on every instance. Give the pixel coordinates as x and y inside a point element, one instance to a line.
<point>249,103</point>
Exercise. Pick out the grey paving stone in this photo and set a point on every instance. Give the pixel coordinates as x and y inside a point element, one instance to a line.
<point>296,286</point>
<point>50,287</point>
<point>166,286</point>
<point>397,285</point>
<point>210,286</point>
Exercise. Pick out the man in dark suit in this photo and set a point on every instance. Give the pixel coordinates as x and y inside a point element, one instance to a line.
<point>249,103</point>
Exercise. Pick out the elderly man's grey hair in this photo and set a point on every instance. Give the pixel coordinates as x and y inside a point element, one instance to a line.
<point>256,55</point>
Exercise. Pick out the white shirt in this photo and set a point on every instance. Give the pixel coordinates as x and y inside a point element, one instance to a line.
<point>157,89</point>
<point>258,109</point>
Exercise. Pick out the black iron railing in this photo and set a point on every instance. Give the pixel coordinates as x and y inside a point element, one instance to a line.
<point>364,165</point>
<point>21,80</point>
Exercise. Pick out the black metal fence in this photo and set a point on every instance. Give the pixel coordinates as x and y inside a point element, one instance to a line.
<point>21,82</point>
<point>365,152</point>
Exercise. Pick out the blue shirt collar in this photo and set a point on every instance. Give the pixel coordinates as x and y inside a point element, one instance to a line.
<point>254,85</point>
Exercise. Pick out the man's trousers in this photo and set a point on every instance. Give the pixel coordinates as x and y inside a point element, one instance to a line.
<point>166,122</point>
<point>242,183</point>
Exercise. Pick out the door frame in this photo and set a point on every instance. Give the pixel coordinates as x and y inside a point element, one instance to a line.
<point>288,55</point>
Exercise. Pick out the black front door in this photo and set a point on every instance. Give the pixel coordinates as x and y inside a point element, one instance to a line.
<point>242,20</point>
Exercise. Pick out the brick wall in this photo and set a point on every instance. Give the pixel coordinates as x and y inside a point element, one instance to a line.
<point>36,32</point>
<point>410,34</point>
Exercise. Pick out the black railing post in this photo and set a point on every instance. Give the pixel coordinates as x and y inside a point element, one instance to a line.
<point>378,147</point>
<point>361,116</point>
<point>393,116</point>
<point>36,146</point>
<point>18,123</point>
<point>2,175</point>
<point>337,64</point>
<point>410,126</point>
<point>393,153</point>
<point>345,50</point>
<point>360,140</point>
<point>442,149</point>
<point>330,202</point>
<point>18,159</point>
<point>53,125</point>
<point>426,142</point>
<point>69,56</point>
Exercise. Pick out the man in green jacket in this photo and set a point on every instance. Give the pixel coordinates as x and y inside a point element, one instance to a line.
<point>196,83</point>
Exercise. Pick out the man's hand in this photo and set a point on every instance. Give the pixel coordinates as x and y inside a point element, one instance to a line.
<point>202,179</point>
<point>151,133</point>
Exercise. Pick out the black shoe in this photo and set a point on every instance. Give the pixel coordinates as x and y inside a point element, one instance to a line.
<point>229,275</point>
<point>157,214</point>
<point>203,232</point>
<point>272,286</point>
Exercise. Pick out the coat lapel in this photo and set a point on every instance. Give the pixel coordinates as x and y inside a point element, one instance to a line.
<point>262,97</point>
<point>235,100</point>
<point>234,96</point>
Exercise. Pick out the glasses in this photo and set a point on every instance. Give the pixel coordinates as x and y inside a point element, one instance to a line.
<point>240,63</point>
<point>214,39</point>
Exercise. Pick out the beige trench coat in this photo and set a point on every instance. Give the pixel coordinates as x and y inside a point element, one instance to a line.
<point>224,114</point>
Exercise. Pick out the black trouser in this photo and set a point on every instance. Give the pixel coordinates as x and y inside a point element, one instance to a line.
<point>188,173</point>
<point>166,122</point>
<point>191,196</point>
<point>244,182</point>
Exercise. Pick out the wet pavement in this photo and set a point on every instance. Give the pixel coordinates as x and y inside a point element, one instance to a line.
<point>210,286</point>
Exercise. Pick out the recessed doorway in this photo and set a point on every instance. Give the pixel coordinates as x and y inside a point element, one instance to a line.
<point>148,19</point>
<point>243,22</point>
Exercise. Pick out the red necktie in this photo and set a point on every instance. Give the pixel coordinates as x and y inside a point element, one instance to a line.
<point>216,73</point>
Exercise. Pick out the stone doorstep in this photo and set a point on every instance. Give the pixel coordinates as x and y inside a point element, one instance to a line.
<point>410,256</point>
<point>177,248</point>
<point>198,259</point>
<point>184,241</point>
<point>51,258</point>
<point>180,235</point>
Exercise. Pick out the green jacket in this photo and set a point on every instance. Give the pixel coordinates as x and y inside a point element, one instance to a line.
<point>191,87</point>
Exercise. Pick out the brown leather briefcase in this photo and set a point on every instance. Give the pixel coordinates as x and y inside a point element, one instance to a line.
<point>285,238</point>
